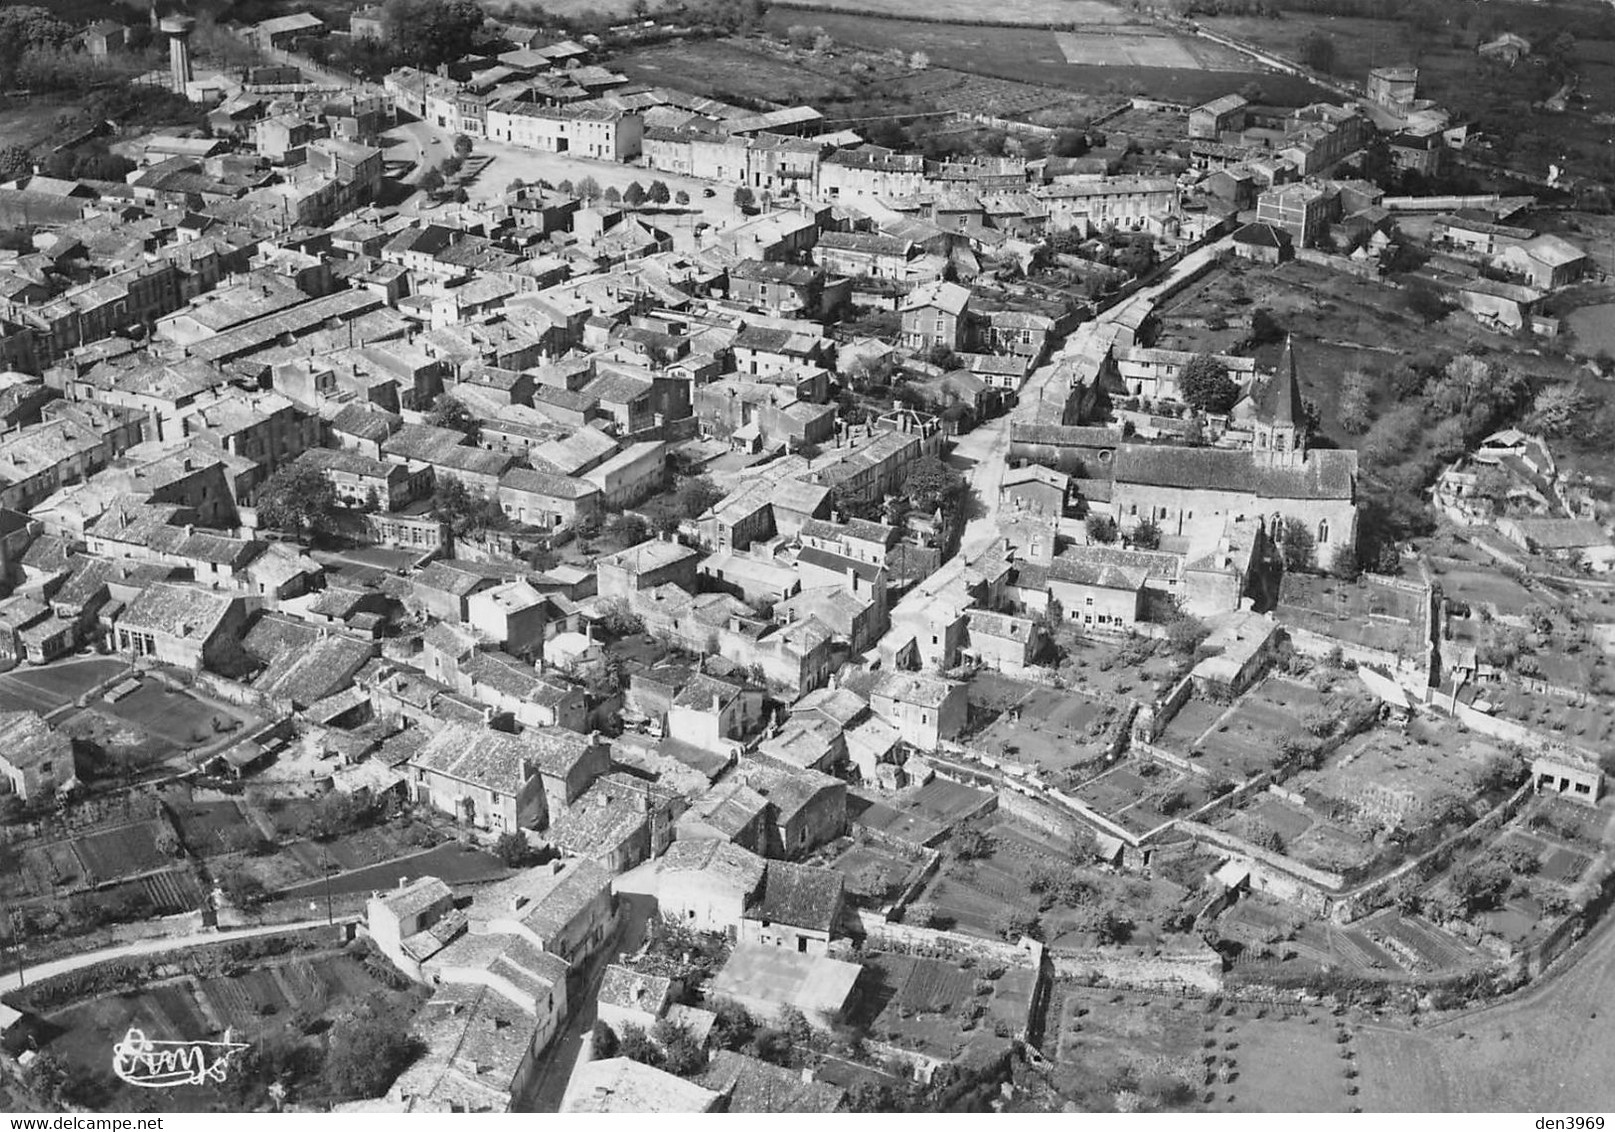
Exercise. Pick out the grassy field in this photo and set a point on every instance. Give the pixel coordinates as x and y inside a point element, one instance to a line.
<point>1549,1046</point>
<point>456,864</point>
<point>47,688</point>
<point>1360,44</point>
<point>1037,12</point>
<point>1033,55</point>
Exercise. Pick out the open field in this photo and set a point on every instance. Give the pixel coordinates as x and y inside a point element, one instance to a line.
<point>1548,1045</point>
<point>1145,47</point>
<point>1104,1037</point>
<point>46,688</point>
<point>1033,55</point>
<point>457,864</point>
<point>1038,12</point>
<point>1359,43</point>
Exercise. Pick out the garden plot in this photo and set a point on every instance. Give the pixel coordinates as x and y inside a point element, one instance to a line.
<point>1109,1041</point>
<point>1241,741</point>
<point>1050,729</point>
<point>1301,833</point>
<point>1140,794</point>
<point>1387,774</point>
<point>937,1007</point>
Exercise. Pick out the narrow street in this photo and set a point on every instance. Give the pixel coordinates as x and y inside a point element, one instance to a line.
<point>570,1046</point>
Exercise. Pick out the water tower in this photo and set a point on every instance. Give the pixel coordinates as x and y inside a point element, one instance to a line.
<point>178,31</point>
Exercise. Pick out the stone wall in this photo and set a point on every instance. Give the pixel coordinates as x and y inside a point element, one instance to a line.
<point>882,935</point>
<point>1195,970</point>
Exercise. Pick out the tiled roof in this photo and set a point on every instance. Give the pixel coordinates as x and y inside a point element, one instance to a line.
<point>1326,474</point>
<point>801,897</point>
<point>757,1086</point>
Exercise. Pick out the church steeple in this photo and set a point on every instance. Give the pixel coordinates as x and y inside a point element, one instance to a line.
<point>1280,414</point>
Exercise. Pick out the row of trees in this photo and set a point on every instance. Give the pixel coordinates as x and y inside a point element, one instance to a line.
<point>634,196</point>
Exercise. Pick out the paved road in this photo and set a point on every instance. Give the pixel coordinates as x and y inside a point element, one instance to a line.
<point>15,979</point>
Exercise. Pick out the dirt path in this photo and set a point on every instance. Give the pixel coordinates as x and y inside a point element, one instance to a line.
<point>14,979</point>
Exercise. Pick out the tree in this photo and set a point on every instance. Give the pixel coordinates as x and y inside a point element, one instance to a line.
<point>1185,634</point>
<point>697,495</point>
<point>1101,528</point>
<point>1344,565</point>
<point>618,620</point>
<point>1296,544</point>
<point>970,843</point>
<point>1207,386</point>
<point>512,848</point>
<point>745,199</point>
<point>461,196</point>
<point>432,181</point>
<point>565,187</point>
<point>1147,535</point>
<point>1068,143</point>
<point>1013,923</point>
<point>449,411</point>
<point>1265,329</point>
<point>627,528</point>
<point>681,197</point>
<point>167,843</point>
<point>589,189</point>
<point>635,195</point>
<point>1559,408</point>
<point>462,146</point>
<point>1317,51</point>
<point>1426,300</point>
<point>366,1054</point>
<point>297,499</point>
<point>427,33</point>
<point>613,195</point>
<point>931,485</point>
<point>635,1044</point>
<point>467,511</point>
<point>1479,885</point>
<point>681,1054</point>
<point>658,193</point>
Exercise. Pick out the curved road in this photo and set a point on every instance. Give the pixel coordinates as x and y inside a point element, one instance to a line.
<point>13,980</point>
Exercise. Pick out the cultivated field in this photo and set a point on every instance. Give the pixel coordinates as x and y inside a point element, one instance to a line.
<point>1145,47</point>
<point>260,1003</point>
<point>938,1007</point>
<point>1038,12</point>
<point>1138,793</point>
<point>1238,742</point>
<point>1033,55</point>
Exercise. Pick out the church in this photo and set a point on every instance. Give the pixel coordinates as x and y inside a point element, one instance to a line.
<point>1197,493</point>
